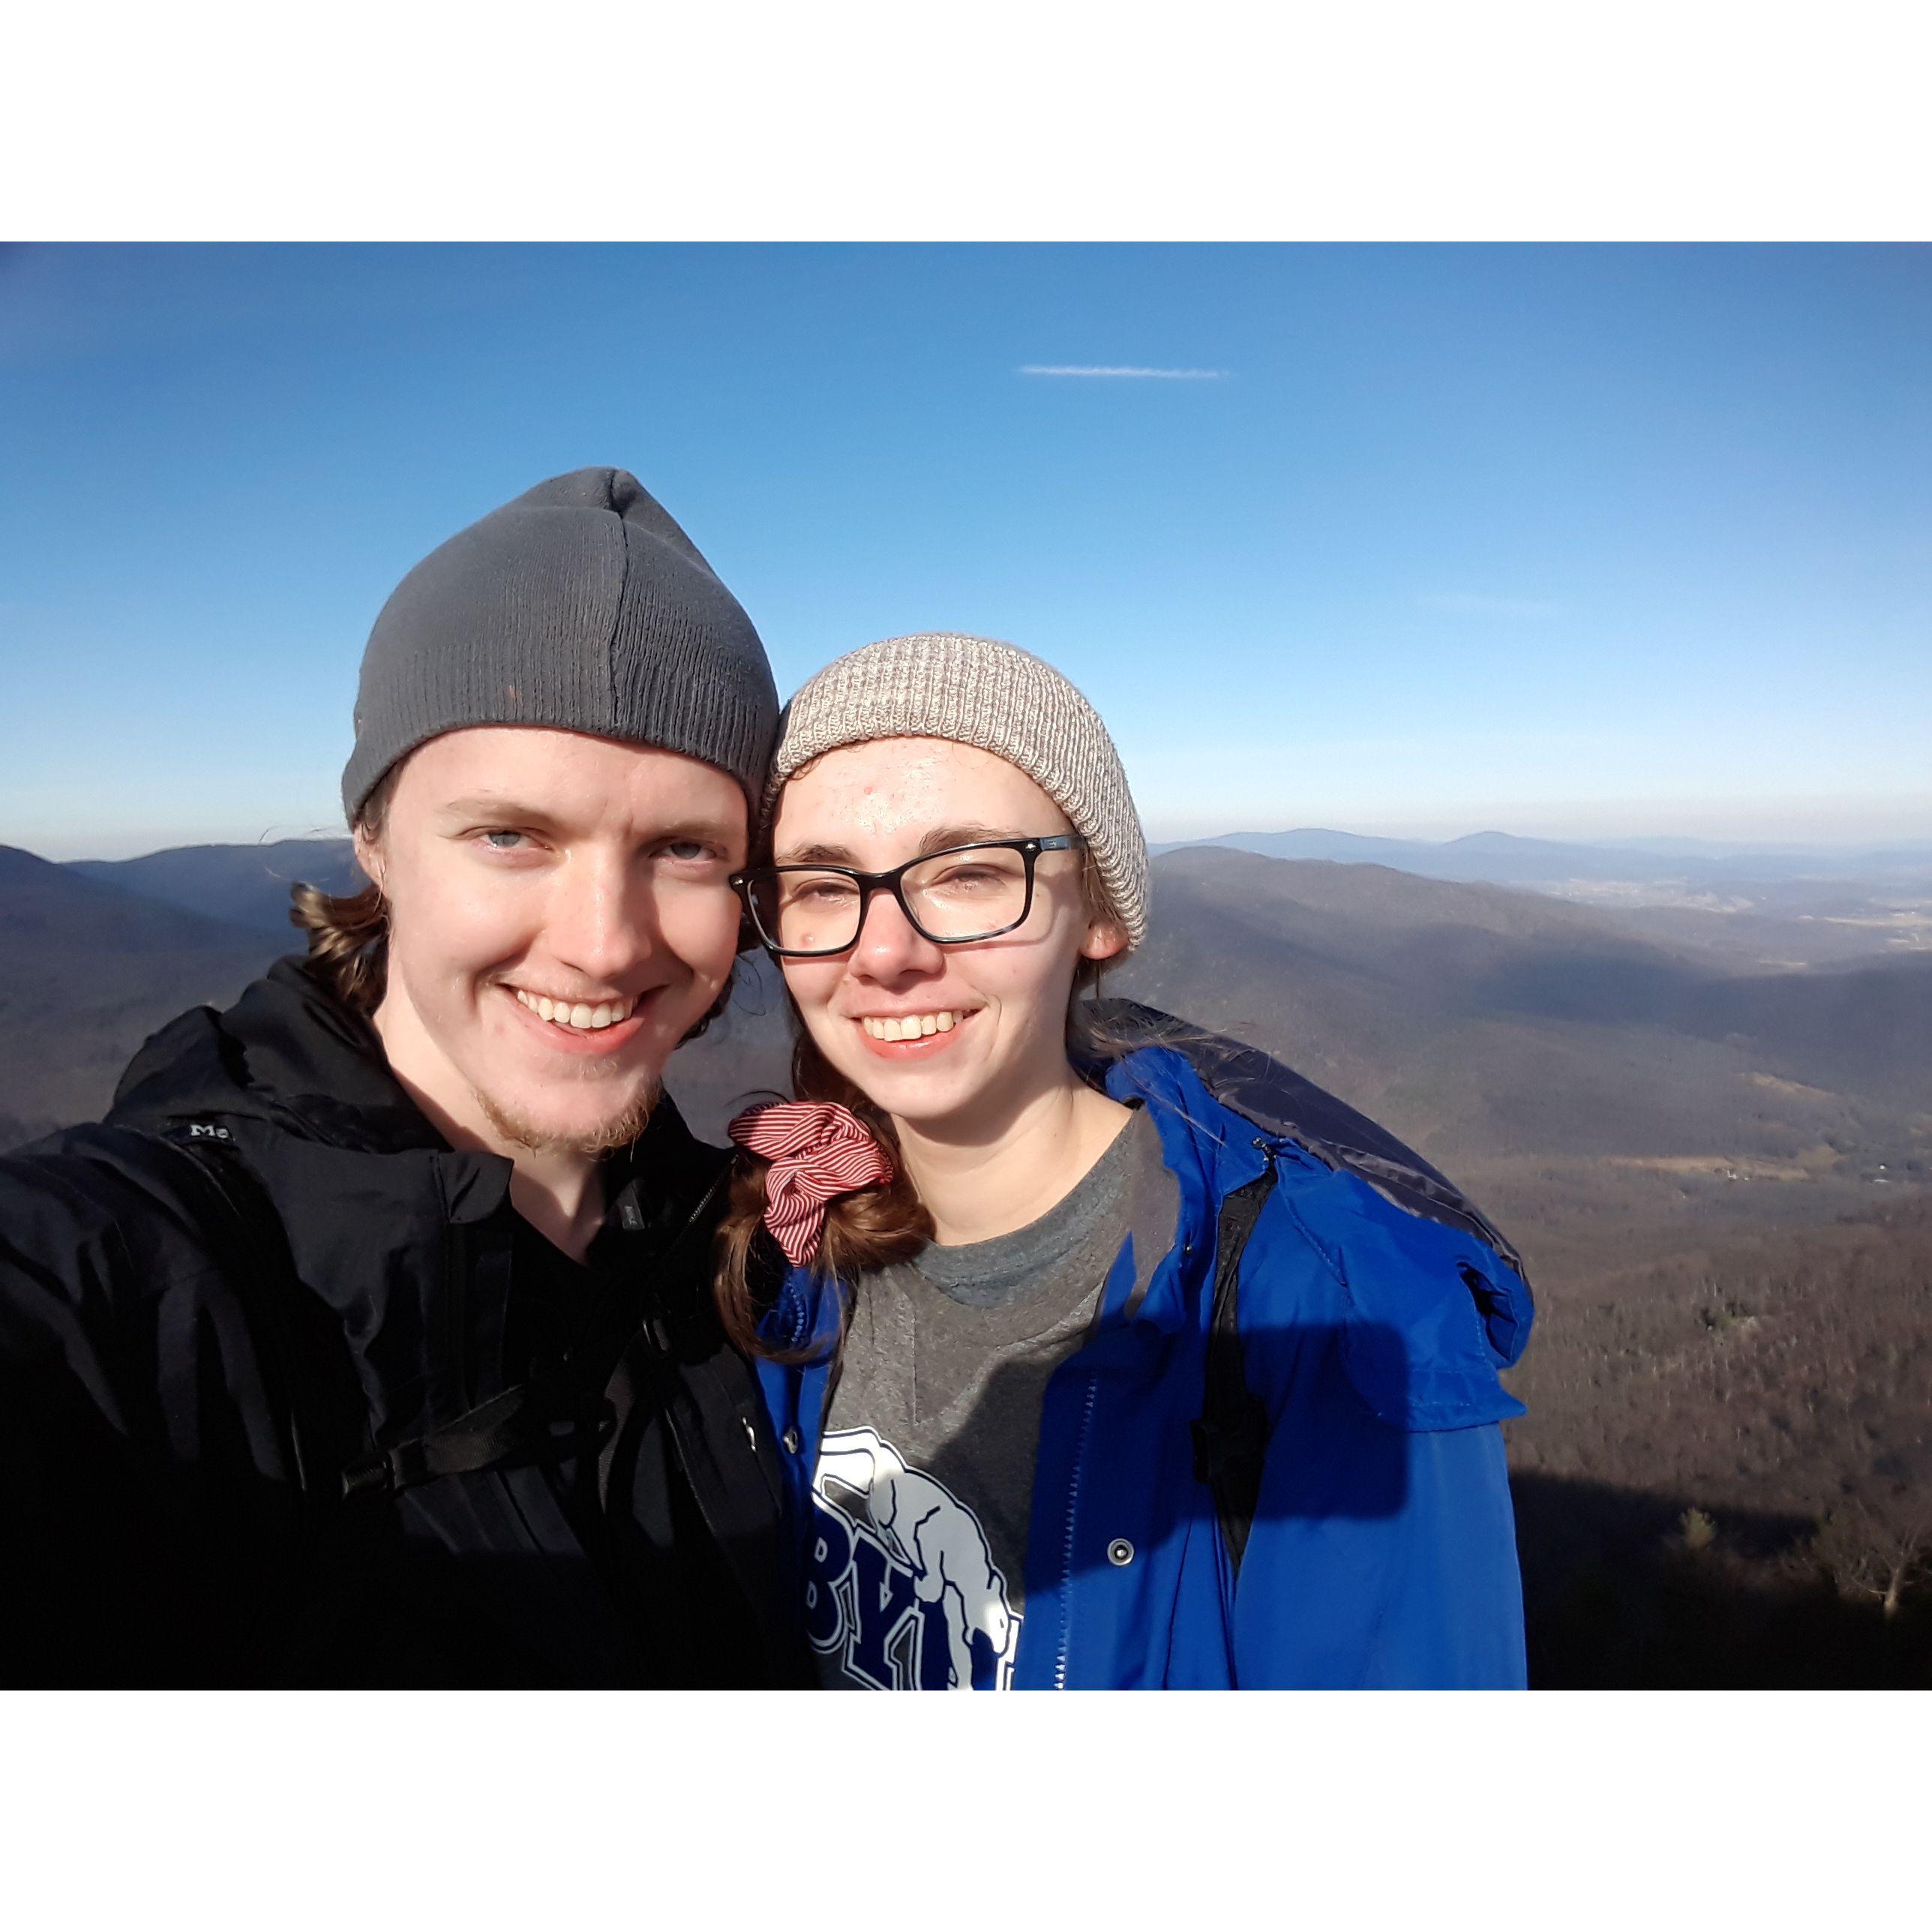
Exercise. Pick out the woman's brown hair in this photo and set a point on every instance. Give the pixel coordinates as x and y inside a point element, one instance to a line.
<point>876,1226</point>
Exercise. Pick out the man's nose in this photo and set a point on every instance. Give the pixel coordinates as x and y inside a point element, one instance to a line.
<point>602,918</point>
<point>889,943</point>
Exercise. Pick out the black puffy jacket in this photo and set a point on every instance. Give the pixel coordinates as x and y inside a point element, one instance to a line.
<point>237,1320</point>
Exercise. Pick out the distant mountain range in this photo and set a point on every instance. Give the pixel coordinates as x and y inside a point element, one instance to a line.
<point>1555,1027</point>
<point>87,971</point>
<point>1500,858</point>
<point>245,885</point>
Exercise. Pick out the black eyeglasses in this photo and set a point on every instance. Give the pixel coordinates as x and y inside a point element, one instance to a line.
<point>964,893</point>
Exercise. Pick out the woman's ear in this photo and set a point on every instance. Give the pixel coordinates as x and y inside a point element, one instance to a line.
<point>1104,940</point>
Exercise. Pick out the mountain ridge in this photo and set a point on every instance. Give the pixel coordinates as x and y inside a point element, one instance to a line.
<point>87,969</point>
<point>247,884</point>
<point>1502,857</point>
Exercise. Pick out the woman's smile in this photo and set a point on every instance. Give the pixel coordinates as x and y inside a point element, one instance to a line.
<point>912,1036</point>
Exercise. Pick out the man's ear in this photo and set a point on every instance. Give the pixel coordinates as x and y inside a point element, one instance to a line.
<point>1104,940</point>
<point>369,856</point>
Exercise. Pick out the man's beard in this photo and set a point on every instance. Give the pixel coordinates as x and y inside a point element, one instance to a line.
<point>619,1133</point>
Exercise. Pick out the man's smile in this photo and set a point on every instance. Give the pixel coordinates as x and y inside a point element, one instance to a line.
<point>578,1027</point>
<point>585,1015</point>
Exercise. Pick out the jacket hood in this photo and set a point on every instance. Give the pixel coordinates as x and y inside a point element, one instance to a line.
<point>1286,1106</point>
<point>1410,1253</point>
<point>288,1053</point>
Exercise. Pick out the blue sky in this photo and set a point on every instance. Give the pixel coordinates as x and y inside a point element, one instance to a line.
<point>1579,541</point>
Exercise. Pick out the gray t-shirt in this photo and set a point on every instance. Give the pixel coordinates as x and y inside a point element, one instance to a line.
<point>924,1485</point>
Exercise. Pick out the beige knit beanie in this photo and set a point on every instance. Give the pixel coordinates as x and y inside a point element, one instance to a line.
<point>976,691</point>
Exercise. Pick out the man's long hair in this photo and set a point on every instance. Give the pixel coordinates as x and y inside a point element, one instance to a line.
<point>348,932</point>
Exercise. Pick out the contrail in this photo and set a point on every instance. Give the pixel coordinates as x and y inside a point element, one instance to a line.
<point>1160,375</point>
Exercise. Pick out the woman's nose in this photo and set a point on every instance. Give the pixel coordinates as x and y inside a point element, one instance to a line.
<point>889,943</point>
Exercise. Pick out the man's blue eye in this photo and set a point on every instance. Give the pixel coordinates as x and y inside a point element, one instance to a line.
<point>502,841</point>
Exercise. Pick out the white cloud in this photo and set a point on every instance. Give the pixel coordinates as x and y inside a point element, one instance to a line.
<point>1158,375</point>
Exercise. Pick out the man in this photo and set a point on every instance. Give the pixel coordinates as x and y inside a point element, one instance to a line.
<point>368,1339</point>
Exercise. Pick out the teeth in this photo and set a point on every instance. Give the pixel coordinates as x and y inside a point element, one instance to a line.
<point>911,1026</point>
<point>582,1018</point>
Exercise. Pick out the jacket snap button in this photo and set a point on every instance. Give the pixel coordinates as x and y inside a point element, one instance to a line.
<point>1120,1552</point>
<point>790,1441</point>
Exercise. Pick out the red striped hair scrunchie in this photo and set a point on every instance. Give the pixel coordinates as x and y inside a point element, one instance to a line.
<point>818,1151</point>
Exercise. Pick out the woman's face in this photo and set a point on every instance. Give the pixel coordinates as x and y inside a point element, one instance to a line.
<point>998,1006</point>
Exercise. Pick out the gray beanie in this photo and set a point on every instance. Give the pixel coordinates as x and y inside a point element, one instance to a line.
<point>582,606</point>
<point>976,691</point>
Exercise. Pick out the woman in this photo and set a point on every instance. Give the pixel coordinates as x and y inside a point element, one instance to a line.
<point>1105,1354</point>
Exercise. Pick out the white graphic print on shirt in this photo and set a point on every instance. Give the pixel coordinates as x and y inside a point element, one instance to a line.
<point>911,1599</point>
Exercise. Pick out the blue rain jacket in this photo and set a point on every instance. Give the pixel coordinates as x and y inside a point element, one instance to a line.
<point>1376,1306</point>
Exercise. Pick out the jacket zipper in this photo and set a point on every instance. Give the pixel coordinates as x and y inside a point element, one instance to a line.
<point>1073,1510</point>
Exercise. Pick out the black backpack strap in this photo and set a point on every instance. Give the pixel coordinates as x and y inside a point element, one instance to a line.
<point>569,1413</point>
<point>253,1255</point>
<point>1231,1433</point>
<point>531,1422</point>
<point>249,1245</point>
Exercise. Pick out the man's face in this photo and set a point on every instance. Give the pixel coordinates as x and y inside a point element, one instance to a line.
<point>559,920</point>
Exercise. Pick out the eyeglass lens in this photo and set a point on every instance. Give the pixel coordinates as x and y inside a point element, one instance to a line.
<point>955,896</point>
